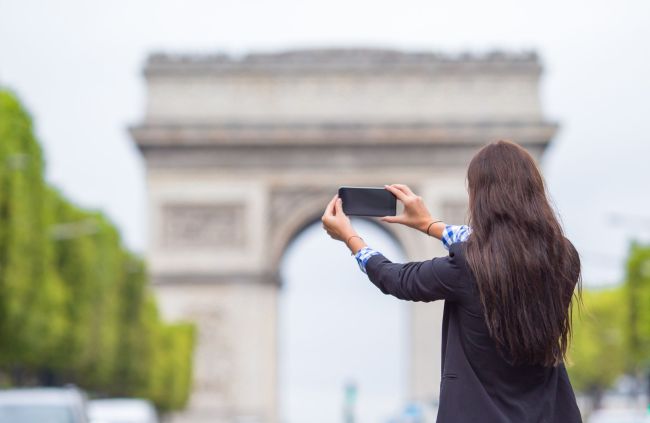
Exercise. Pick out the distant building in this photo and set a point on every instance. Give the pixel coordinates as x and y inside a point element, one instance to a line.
<point>243,153</point>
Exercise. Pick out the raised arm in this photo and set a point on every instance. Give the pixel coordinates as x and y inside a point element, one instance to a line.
<point>428,280</point>
<point>414,281</point>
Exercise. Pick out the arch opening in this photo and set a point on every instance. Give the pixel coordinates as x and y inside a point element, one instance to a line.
<point>336,328</point>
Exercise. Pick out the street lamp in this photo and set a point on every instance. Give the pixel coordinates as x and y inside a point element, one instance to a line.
<point>350,399</point>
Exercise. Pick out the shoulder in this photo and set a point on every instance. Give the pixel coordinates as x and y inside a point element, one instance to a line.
<point>457,253</point>
<point>452,268</point>
<point>461,278</point>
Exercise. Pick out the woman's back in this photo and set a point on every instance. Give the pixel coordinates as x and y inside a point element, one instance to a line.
<point>478,384</point>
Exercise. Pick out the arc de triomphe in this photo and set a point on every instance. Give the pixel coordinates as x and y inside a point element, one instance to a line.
<point>242,153</point>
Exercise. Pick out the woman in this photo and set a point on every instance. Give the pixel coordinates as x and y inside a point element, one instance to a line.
<point>508,284</point>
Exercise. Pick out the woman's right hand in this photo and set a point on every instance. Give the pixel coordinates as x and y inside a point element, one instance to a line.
<point>415,214</point>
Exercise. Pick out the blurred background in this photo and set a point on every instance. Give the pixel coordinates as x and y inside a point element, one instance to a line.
<point>163,163</point>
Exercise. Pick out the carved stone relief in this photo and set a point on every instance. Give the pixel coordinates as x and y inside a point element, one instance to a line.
<point>298,202</point>
<point>285,199</point>
<point>202,226</point>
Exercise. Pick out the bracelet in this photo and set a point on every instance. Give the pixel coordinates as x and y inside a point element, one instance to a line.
<point>429,227</point>
<point>348,240</point>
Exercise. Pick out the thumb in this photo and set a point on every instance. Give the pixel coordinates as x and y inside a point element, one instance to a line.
<point>339,207</point>
<point>391,219</point>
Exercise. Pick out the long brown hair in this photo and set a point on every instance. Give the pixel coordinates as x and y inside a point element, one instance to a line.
<point>525,269</point>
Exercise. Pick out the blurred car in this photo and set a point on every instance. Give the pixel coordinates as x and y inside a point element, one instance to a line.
<point>121,410</point>
<point>619,416</point>
<point>42,405</point>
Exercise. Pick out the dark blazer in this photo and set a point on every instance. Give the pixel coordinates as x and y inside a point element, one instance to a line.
<point>477,385</point>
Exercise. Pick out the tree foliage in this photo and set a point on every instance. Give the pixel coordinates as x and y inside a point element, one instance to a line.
<point>598,353</point>
<point>612,335</point>
<point>637,298</point>
<point>75,305</point>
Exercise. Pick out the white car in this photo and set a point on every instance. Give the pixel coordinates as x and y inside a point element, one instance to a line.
<point>42,405</point>
<point>121,410</point>
<point>619,416</point>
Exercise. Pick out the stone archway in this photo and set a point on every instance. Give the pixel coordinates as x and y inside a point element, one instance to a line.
<point>330,320</point>
<point>241,154</point>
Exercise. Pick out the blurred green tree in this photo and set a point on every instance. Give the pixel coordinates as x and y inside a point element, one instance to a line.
<point>75,305</point>
<point>88,256</point>
<point>637,308</point>
<point>598,351</point>
<point>31,294</point>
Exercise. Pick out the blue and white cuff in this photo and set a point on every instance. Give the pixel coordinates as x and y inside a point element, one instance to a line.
<point>454,233</point>
<point>363,255</point>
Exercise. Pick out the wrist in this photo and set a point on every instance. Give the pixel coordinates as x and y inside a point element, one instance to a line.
<point>345,237</point>
<point>424,224</point>
<point>430,226</point>
<point>354,243</point>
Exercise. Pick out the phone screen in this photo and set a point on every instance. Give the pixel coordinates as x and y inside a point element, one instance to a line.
<point>368,201</point>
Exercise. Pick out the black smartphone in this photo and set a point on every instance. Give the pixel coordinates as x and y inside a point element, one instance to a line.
<point>368,201</point>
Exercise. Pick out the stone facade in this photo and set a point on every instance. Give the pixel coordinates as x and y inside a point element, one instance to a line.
<point>243,153</point>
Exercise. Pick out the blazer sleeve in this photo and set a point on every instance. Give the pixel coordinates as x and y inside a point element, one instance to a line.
<point>430,280</point>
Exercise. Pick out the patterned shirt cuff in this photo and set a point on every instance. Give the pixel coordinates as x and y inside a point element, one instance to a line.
<point>363,255</point>
<point>454,233</point>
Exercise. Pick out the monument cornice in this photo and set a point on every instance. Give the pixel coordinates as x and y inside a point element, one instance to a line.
<point>150,136</point>
<point>341,60</point>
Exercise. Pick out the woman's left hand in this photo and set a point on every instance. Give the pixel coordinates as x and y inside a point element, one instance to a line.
<point>335,222</point>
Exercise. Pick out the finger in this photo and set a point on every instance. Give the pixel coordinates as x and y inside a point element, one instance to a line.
<point>396,192</point>
<point>404,188</point>
<point>338,207</point>
<point>329,209</point>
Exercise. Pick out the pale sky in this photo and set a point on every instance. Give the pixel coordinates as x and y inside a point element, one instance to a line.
<point>77,66</point>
